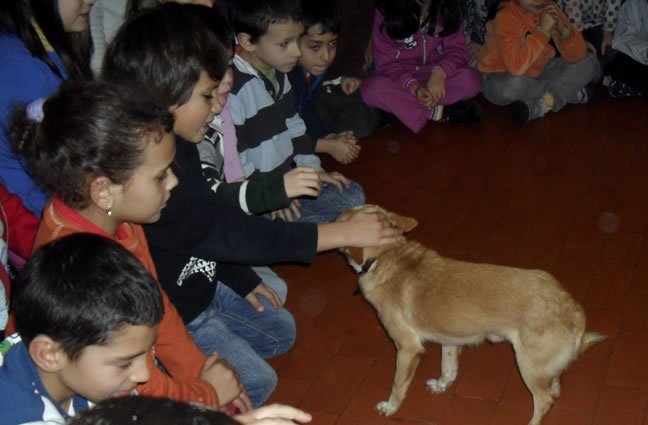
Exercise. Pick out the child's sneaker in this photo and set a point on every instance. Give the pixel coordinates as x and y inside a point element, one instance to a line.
<point>526,111</point>
<point>462,112</point>
<point>584,96</point>
<point>619,89</point>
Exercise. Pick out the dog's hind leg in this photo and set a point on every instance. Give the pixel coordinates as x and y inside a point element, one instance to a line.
<point>449,368</point>
<point>407,359</point>
<point>539,382</point>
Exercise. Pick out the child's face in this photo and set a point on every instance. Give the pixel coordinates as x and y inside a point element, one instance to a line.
<point>533,6</point>
<point>75,14</point>
<point>193,117</point>
<point>142,198</point>
<point>318,50</point>
<point>278,48</point>
<point>111,370</point>
<point>224,87</point>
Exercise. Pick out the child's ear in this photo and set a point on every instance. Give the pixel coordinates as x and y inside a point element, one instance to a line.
<point>245,41</point>
<point>46,353</point>
<point>101,192</point>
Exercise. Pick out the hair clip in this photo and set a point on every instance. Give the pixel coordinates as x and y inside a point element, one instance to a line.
<point>35,110</point>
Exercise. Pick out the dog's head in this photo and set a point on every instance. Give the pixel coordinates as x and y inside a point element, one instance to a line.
<point>363,259</point>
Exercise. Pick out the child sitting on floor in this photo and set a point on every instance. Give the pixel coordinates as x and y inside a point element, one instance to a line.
<point>87,312</point>
<point>535,60</point>
<point>422,64</point>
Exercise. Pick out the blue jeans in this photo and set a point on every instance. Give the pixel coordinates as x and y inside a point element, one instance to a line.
<point>244,337</point>
<point>272,279</point>
<point>330,203</point>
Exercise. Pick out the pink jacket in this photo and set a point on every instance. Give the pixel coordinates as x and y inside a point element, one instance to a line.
<point>400,60</point>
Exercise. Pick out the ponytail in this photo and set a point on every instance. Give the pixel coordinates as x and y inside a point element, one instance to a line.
<point>89,129</point>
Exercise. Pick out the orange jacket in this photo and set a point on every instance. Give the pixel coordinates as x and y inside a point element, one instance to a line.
<point>174,347</point>
<point>513,43</point>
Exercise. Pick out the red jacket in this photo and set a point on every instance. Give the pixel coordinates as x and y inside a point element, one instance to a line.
<point>513,43</point>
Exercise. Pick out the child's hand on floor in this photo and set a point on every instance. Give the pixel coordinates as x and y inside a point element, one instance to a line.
<point>302,181</point>
<point>288,214</point>
<point>336,179</point>
<point>224,379</point>
<point>343,147</point>
<point>265,291</point>
<point>274,414</point>
<point>350,84</point>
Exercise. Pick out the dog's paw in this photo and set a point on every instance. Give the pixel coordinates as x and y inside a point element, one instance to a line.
<point>384,408</point>
<point>436,385</point>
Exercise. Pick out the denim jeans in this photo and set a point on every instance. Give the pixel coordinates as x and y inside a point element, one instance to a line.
<point>272,279</point>
<point>330,203</point>
<point>244,337</point>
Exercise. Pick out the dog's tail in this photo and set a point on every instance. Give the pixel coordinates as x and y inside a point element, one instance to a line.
<point>589,339</point>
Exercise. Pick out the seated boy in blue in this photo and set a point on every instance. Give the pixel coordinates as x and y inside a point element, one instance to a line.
<point>87,312</point>
<point>333,110</point>
<point>270,133</point>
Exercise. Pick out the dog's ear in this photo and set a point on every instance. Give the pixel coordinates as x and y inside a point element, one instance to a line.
<point>406,224</point>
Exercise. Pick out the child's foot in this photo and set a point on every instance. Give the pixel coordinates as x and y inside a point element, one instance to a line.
<point>526,111</point>
<point>462,112</point>
<point>342,150</point>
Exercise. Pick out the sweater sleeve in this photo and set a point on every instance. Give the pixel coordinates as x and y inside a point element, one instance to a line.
<point>455,52</point>
<point>22,224</point>
<point>189,391</point>
<point>573,48</point>
<point>627,37</point>
<point>240,278</point>
<point>519,49</point>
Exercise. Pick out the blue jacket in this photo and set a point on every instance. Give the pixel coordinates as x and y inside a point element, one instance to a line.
<point>24,398</point>
<point>23,78</point>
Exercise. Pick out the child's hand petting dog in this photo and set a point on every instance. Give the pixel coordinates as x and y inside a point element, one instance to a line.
<point>302,181</point>
<point>368,228</point>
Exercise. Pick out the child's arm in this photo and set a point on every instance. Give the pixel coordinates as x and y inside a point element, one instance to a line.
<point>569,42</point>
<point>22,224</point>
<point>195,378</point>
<point>627,38</point>
<point>455,52</point>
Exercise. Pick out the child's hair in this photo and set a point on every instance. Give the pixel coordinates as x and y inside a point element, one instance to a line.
<point>218,25</point>
<point>89,129</point>
<point>140,410</point>
<point>74,49</point>
<point>253,17</point>
<point>163,50</point>
<point>402,17</point>
<point>324,13</point>
<point>134,6</point>
<point>80,289</point>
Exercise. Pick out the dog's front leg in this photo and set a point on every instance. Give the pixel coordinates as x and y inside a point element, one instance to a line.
<point>407,360</point>
<point>449,367</point>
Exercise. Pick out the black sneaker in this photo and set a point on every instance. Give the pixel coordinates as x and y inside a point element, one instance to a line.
<point>462,112</point>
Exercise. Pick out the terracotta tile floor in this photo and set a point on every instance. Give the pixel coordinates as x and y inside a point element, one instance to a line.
<point>568,194</point>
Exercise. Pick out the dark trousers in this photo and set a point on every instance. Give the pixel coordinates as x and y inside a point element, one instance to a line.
<point>630,72</point>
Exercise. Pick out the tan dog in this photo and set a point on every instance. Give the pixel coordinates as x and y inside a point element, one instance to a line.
<point>421,296</point>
